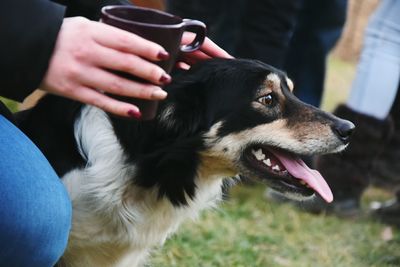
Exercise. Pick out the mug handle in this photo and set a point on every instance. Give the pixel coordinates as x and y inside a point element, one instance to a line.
<point>197,27</point>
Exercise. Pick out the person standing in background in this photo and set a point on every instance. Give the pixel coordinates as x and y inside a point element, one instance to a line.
<point>293,35</point>
<point>374,150</point>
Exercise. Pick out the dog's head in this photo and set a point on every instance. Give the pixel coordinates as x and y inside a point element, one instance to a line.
<point>252,124</point>
<point>228,117</point>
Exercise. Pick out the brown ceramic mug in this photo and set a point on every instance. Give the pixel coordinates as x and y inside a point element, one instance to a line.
<point>159,27</point>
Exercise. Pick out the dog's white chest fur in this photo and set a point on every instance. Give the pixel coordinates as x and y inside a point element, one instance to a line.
<point>116,223</point>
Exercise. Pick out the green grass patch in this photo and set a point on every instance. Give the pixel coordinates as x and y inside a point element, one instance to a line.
<point>247,231</point>
<point>12,105</point>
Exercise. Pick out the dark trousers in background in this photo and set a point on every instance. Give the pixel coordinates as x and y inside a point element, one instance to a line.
<point>294,35</point>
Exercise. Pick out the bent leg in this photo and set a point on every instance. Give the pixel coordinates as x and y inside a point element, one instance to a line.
<point>35,209</point>
<point>378,71</point>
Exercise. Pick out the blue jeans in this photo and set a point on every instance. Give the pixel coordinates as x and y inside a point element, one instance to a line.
<point>35,210</point>
<point>378,71</point>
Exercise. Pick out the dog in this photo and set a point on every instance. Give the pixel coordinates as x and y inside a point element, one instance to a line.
<point>132,183</point>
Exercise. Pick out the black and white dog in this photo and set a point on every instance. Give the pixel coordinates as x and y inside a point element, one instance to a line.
<point>133,182</point>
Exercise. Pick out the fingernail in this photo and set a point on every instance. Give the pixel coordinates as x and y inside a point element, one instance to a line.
<point>159,94</point>
<point>134,114</point>
<point>165,79</point>
<point>163,55</point>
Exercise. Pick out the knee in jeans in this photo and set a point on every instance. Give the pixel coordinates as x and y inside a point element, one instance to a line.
<point>58,227</point>
<point>41,235</point>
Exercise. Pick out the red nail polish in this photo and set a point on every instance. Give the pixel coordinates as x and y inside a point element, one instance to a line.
<point>165,79</point>
<point>134,114</point>
<point>163,55</point>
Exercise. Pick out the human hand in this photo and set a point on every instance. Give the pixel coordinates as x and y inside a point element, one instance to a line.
<point>208,50</point>
<point>83,56</point>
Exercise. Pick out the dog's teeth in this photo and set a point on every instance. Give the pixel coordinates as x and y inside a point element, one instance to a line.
<point>267,162</point>
<point>258,154</point>
<point>276,168</point>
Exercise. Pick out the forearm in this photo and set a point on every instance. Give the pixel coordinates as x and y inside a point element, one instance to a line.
<point>29,30</point>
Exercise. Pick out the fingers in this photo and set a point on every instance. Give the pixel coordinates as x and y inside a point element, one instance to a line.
<point>111,83</point>
<point>207,50</point>
<point>92,97</point>
<point>83,51</point>
<point>213,50</point>
<point>208,47</point>
<point>121,40</point>
<point>182,65</point>
<point>193,57</point>
<point>115,60</point>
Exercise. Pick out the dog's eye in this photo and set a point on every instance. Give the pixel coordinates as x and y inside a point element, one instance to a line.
<point>266,100</point>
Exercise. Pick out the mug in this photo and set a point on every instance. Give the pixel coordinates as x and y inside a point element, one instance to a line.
<point>160,27</point>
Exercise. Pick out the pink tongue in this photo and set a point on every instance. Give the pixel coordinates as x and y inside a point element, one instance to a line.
<point>297,168</point>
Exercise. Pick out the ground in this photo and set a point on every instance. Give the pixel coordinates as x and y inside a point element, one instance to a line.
<point>248,231</point>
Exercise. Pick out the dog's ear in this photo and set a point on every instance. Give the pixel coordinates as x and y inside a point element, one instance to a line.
<point>171,167</point>
<point>184,112</point>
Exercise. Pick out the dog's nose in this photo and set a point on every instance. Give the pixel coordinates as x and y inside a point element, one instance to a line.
<point>343,130</point>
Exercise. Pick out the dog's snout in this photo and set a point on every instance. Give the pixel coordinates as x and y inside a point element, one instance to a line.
<point>343,130</point>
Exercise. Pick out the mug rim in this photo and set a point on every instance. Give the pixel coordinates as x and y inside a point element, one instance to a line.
<point>106,8</point>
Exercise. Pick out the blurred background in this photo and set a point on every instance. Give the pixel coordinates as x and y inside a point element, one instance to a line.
<point>341,62</point>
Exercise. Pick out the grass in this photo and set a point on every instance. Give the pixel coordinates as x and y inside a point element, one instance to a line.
<point>249,231</point>
<point>12,105</point>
